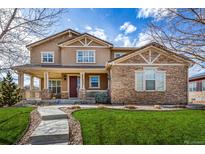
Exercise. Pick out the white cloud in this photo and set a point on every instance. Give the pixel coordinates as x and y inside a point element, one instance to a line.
<point>69,20</point>
<point>156,13</point>
<point>98,32</point>
<point>128,27</point>
<point>142,39</point>
<point>88,28</point>
<point>125,40</point>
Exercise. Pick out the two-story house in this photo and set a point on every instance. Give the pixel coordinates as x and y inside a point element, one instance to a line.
<point>71,64</point>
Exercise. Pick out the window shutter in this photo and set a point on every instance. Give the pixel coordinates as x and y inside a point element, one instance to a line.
<point>139,81</point>
<point>160,81</point>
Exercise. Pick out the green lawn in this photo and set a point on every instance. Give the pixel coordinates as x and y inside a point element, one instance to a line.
<point>13,122</point>
<point>107,126</point>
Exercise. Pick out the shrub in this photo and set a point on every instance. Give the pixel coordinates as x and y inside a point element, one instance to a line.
<point>130,107</point>
<point>10,93</point>
<point>101,97</point>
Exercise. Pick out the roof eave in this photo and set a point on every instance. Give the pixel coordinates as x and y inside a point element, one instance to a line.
<point>51,37</point>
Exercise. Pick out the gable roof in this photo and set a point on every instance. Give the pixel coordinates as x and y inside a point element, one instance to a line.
<point>88,35</point>
<point>157,45</point>
<point>197,76</point>
<point>52,37</point>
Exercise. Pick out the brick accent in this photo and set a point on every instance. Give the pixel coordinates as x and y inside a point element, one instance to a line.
<point>82,94</point>
<point>46,94</point>
<point>123,86</point>
<point>64,95</point>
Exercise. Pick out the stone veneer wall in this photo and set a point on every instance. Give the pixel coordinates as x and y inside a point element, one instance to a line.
<point>123,86</point>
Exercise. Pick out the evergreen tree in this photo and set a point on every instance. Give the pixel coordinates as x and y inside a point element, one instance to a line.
<point>9,92</point>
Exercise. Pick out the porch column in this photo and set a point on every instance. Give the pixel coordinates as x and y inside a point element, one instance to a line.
<point>46,78</point>
<point>45,93</point>
<point>40,85</point>
<point>82,92</point>
<point>31,82</point>
<point>82,80</point>
<point>21,80</point>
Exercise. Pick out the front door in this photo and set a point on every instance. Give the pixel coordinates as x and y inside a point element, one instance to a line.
<point>73,86</point>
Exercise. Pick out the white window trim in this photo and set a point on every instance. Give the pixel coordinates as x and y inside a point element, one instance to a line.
<point>55,80</point>
<point>122,53</point>
<point>51,52</point>
<point>90,86</point>
<point>144,81</point>
<point>202,82</point>
<point>85,62</point>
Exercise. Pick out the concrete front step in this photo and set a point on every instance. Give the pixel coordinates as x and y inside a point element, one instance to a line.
<point>51,132</point>
<point>49,113</point>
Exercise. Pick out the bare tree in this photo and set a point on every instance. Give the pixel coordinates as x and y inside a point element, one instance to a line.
<point>182,30</point>
<point>19,27</point>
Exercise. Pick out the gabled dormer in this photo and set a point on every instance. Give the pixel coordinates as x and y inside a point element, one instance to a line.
<point>85,49</point>
<point>47,51</point>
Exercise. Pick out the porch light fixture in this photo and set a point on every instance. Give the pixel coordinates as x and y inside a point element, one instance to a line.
<point>64,77</point>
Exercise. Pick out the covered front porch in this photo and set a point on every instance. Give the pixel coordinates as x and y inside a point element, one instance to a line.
<point>62,83</point>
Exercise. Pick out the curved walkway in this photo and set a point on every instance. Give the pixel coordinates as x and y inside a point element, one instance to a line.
<point>53,128</point>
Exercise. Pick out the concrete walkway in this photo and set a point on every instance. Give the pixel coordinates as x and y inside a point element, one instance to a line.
<point>53,128</point>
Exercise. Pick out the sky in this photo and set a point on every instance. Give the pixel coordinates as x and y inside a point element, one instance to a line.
<point>122,27</point>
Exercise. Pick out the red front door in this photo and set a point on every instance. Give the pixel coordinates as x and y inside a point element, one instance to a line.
<point>73,86</point>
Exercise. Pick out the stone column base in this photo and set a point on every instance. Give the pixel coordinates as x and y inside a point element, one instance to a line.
<point>64,95</point>
<point>23,93</point>
<point>82,94</point>
<point>46,94</point>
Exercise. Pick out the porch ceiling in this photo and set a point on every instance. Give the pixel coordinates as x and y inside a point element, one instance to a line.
<point>56,72</point>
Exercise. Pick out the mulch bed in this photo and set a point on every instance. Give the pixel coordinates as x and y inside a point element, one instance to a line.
<point>75,135</point>
<point>35,120</point>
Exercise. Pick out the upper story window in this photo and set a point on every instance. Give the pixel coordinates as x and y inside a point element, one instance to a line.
<point>94,81</point>
<point>192,86</point>
<point>47,57</point>
<point>85,56</point>
<point>150,80</point>
<point>118,54</point>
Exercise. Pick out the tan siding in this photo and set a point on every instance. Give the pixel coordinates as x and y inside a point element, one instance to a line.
<point>68,55</point>
<point>51,45</point>
<point>64,83</point>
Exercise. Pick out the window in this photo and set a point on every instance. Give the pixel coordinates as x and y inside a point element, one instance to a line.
<point>55,86</point>
<point>85,56</point>
<point>118,54</point>
<point>150,80</point>
<point>47,57</point>
<point>94,81</point>
<point>192,86</point>
<point>203,85</point>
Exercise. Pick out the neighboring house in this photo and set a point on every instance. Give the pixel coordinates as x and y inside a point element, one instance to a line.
<point>70,64</point>
<point>197,88</point>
